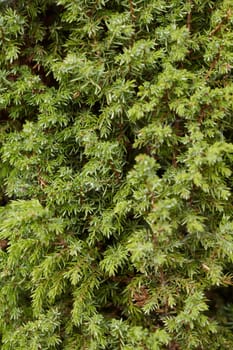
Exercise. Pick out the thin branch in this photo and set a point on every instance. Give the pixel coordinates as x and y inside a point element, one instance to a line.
<point>216,29</point>
<point>219,26</point>
<point>213,65</point>
<point>132,12</point>
<point>174,159</point>
<point>189,17</point>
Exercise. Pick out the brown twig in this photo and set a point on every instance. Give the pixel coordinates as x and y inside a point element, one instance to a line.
<point>42,182</point>
<point>202,115</point>
<point>189,17</point>
<point>213,65</point>
<point>132,12</point>
<point>216,29</point>
<point>219,26</point>
<point>174,160</point>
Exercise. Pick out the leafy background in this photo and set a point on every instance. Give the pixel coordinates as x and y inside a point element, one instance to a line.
<point>116,155</point>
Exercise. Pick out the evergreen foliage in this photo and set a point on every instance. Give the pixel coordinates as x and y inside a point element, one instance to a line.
<point>116,153</point>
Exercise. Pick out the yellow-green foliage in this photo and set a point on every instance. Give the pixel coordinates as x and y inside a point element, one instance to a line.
<point>116,149</point>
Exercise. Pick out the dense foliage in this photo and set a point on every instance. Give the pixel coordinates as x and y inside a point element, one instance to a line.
<point>116,153</point>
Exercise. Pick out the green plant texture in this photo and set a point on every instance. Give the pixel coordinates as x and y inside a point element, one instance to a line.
<point>116,227</point>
